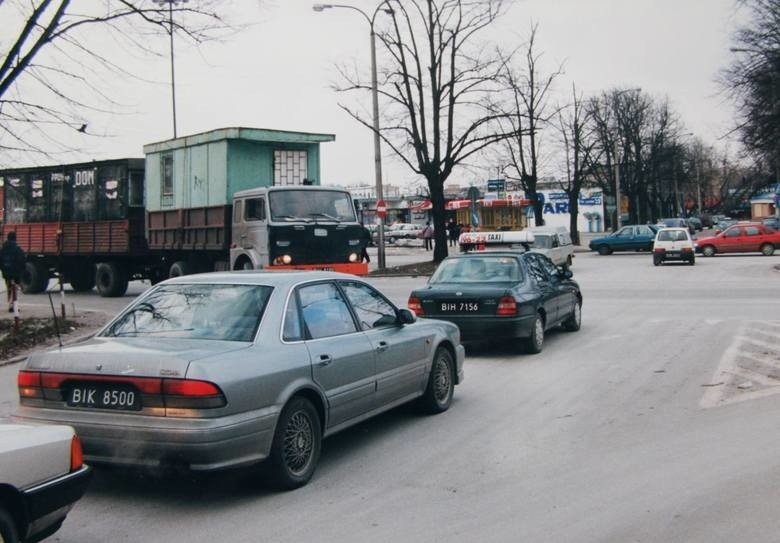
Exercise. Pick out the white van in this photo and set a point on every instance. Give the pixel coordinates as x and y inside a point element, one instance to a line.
<point>554,242</point>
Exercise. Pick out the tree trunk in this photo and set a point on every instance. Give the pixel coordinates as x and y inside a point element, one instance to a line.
<point>574,211</point>
<point>538,206</point>
<point>436,188</point>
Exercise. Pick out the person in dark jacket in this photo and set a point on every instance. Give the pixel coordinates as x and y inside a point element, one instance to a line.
<point>12,261</point>
<point>366,239</point>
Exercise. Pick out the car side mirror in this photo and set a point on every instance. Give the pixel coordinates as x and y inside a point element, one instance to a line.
<point>406,317</point>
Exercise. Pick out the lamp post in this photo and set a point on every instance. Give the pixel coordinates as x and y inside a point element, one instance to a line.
<point>170,4</point>
<point>375,99</point>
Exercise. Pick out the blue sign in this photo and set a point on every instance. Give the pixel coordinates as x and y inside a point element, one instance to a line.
<point>496,185</point>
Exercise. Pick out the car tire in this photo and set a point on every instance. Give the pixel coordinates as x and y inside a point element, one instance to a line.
<point>692,262</point>
<point>657,260</point>
<point>7,528</point>
<point>111,280</point>
<point>441,383</point>
<point>296,445</point>
<point>604,250</point>
<point>569,261</point>
<point>535,342</point>
<point>708,250</point>
<point>391,241</point>
<point>574,321</point>
<point>767,249</point>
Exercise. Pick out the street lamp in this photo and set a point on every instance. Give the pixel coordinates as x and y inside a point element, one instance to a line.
<point>170,4</point>
<point>375,98</point>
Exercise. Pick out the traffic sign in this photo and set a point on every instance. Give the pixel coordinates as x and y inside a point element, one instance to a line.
<point>381,209</point>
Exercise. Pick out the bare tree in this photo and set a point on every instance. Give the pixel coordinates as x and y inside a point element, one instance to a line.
<point>529,111</point>
<point>579,146</point>
<point>438,89</point>
<point>52,67</point>
<point>753,81</point>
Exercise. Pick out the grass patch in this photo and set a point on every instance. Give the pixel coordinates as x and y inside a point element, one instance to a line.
<point>32,331</point>
<point>417,268</point>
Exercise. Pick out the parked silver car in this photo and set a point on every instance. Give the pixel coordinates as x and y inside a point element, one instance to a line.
<point>41,476</point>
<point>228,369</point>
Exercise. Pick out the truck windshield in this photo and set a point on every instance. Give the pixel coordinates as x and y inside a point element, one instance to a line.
<point>311,205</point>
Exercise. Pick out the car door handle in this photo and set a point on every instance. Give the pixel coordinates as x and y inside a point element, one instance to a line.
<point>382,347</point>
<point>325,360</point>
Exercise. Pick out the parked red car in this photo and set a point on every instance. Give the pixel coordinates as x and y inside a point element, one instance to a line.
<point>742,238</point>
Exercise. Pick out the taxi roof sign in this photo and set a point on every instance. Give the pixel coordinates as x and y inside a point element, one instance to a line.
<point>482,241</point>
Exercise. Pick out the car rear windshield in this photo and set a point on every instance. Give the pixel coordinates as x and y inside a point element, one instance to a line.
<point>477,269</point>
<point>672,235</point>
<point>195,311</point>
<point>542,241</point>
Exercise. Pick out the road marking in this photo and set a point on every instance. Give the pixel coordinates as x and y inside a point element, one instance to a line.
<point>746,359</point>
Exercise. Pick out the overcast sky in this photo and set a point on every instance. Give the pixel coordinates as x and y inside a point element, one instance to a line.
<point>278,72</point>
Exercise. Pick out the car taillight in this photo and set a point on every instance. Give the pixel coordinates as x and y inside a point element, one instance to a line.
<point>507,306</point>
<point>156,392</point>
<point>190,394</point>
<point>659,250</point>
<point>76,454</point>
<point>687,249</point>
<point>415,305</point>
<point>29,383</point>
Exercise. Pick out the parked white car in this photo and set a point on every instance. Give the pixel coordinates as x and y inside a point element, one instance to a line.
<point>41,476</point>
<point>674,244</point>
<point>554,242</point>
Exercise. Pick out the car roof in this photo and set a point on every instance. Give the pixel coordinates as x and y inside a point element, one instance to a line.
<point>270,278</point>
<point>672,228</point>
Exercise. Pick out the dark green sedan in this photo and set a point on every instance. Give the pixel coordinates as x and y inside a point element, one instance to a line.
<point>501,295</point>
<point>634,237</point>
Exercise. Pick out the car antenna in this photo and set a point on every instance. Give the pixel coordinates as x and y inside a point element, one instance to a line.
<point>56,324</point>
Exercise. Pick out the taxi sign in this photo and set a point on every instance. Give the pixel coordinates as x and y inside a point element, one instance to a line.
<point>481,241</point>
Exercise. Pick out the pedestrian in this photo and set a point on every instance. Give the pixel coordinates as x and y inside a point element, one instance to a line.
<point>450,228</point>
<point>12,261</point>
<point>455,234</point>
<point>427,235</point>
<point>365,236</point>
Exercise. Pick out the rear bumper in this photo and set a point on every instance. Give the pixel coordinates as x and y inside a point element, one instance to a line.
<point>47,504</point>
<point>682,257</point>
<point>488,327</point>
<point>199,444</point>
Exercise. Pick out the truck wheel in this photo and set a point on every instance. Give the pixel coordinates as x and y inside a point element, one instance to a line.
<point>111,280</point>
<point>35,278</point>
<point>83,279</point>
<point>179,268</point>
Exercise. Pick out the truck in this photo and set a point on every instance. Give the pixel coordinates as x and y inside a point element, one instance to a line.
<point>227,199</point>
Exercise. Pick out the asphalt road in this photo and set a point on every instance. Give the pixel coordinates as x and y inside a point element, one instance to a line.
<point>657,421</point>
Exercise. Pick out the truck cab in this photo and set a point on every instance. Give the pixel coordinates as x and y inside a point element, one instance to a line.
<point>296,227</point>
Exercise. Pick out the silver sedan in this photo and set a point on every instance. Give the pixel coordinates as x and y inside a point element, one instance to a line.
<point>230,369</point>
